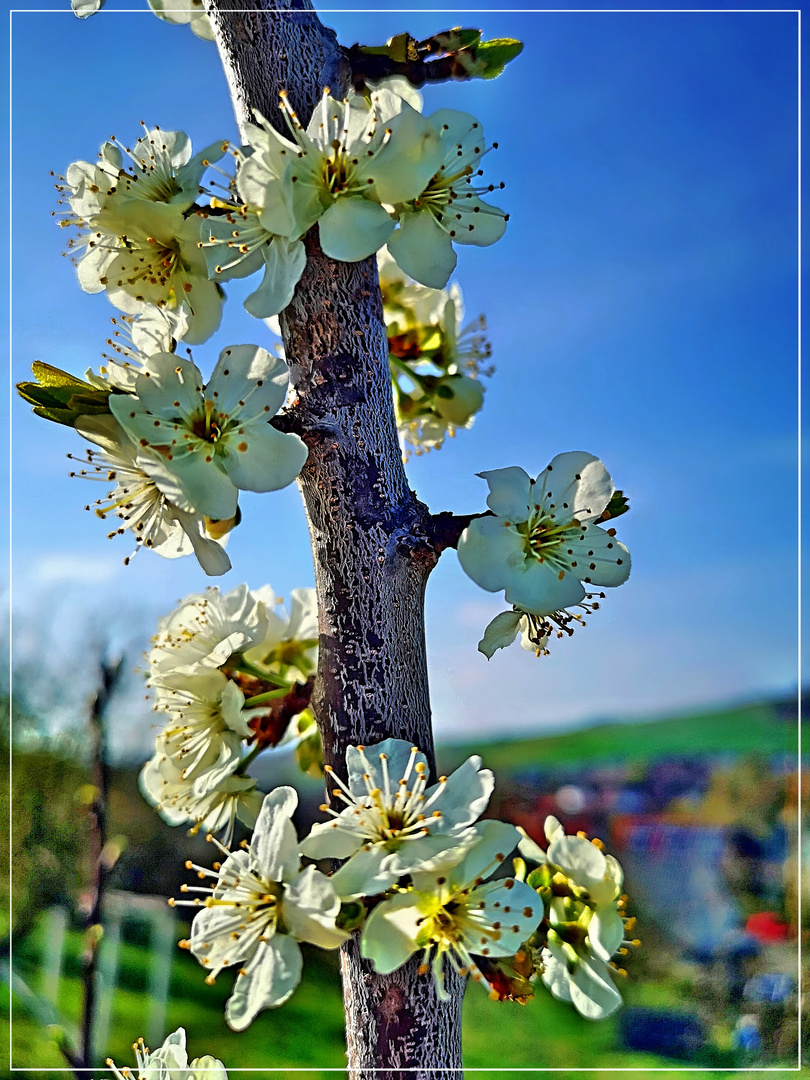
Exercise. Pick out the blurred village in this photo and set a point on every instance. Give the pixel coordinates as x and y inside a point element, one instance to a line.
<point>701,811</point>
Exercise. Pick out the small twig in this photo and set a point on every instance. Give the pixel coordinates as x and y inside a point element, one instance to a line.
<point>417,72</point>
<point>269,728</point>
<point>445,529</point>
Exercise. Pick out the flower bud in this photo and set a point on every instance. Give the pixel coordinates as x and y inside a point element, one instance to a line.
<point>465,399</point>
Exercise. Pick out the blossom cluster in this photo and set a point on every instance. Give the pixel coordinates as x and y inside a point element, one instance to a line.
<point>420,874</point>
<point>227,672</point>
<point>137,227</point>
<point>367,172</point>
<point>422,877</point>
<point>586,925</point>
<point>436,360</point>
<point>177,449</point>
<point>170,1060</point>
<point>540,543</point>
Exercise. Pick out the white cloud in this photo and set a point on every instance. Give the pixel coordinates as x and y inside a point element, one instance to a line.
<point>74,568</point>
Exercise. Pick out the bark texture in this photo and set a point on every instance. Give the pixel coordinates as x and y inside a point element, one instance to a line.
<point>372,540</point>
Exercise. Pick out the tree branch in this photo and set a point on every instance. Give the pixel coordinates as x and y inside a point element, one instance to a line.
<point>445,529</point>
<point>365,524</point>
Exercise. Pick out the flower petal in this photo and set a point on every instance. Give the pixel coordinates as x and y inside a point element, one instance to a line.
<point>602,558</point>
<point>327,840</point>
<point>593,994</point>
<point>211,555</point>
<point>309,908</point>
<point>274,840</point>
<point>606,931</point>
<point>464,795</point>
<point>500,633</point>
<point>579,479</point>
<point>537,587</point>
<point>354,228</point>
<point>269,979</point>
<point>389,936</point>
<point>468,220</point>
<point>168,386</point>
<point>510,492</point>
<point>488,550</point>
<point>397,753</point>
<point>266,459</point>
<point>284,264</point>
<point>369,871</point>
<point>423,249</point>
<point>248,381</point>
<point>403,167</point>
<point>201,485</point>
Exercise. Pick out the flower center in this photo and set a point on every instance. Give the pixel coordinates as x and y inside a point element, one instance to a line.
<point>543,535</point>
<point>205,426</point>
<point>336,172</point>
<point>396,812</point>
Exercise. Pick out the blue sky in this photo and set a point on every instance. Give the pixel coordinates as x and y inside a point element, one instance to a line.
<point>642,306</point>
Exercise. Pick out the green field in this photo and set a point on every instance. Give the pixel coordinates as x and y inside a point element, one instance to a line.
<point>747,729</point>
<point>307,1032</point>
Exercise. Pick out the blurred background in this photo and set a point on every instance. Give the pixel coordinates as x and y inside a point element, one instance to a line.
<point>642,306</point>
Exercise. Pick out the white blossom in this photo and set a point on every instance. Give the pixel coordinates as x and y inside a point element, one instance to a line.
<point>586,924</point>
<point>134,238</point>
<point>204,632</point>
<point>535,630</point>
<point>540,545</point>
<point>216,439</point>
<point>451,912</point>
<point>134,340</point>
<point>83,9</point>
<point>448,210</point>
<point>289,649</point>
<point>236,244</point>
<point>149,254</point>
<point>211,798</point>
<point>260,907</point>
<point>339,171</point>
<point>207,713</point>
<point>170,1062</point>
<point>184,12</point>
<point>393,823</point>
<point>407,305</point>
<point>163,168</point>
<point>137,502</point>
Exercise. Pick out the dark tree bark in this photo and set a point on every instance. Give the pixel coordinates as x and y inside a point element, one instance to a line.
<point>373,542</point>
<point>109,674</point>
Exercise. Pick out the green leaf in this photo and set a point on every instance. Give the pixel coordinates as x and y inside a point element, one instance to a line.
<point>401,48</point>
<point>35,394</point>
<point>61,397</point>
<point>351,916</point>
<point>450,41</point>
<point>59,416</point>
<point>489,59</point>
<point>46,375</point>
<point>619,504</point>
<point>309,755</point>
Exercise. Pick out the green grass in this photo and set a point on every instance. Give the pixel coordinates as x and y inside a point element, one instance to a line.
<point>307,1032</point>
<point>744,730</point>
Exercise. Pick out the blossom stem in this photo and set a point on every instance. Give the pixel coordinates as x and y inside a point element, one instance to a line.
<point>244,667</point>
<point>249,758</point>
<point>420,380</point>
<point>269,695</point>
